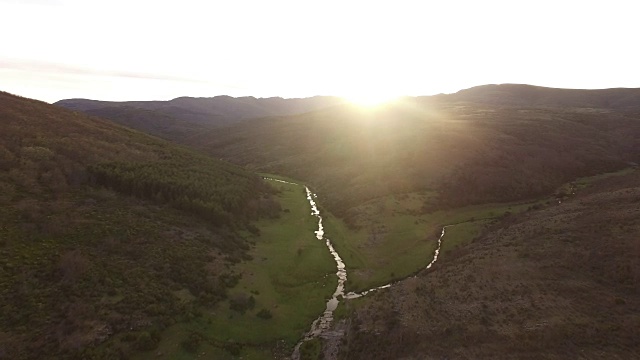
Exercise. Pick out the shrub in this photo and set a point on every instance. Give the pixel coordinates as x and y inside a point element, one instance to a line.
<point>145,342</point>
<point>264,314</point>
<point>191,344</point>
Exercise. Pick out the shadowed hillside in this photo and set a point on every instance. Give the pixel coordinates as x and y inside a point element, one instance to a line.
<point>178,118</point>
<point>557,283</point>
<point>154,122</point>
<point>107,235</point>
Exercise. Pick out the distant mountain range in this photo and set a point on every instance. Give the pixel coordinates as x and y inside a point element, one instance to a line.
<point>536,96</point>
<point>180,118</point>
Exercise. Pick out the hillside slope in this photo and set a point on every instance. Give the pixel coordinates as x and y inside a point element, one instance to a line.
<point>555,283</point>
<point>162,124</point>
<point>182,117</point>
<point>90,272</point>
<point>521,95</point>
<point>178,118</point>
<point>468,154</point>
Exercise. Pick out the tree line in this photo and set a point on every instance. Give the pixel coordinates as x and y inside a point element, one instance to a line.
<point>220,196</point>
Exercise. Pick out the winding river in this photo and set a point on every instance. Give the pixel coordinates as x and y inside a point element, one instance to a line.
<point>323,322</point>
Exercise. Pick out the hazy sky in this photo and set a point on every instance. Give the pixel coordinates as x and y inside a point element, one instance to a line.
<point>143,50</point>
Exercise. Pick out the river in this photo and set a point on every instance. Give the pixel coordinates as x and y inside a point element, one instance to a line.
<point>324,321</point>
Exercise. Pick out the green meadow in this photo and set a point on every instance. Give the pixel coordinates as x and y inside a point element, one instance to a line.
<point>283,288</point>
<point>395,238</point>
<point>290,276</point>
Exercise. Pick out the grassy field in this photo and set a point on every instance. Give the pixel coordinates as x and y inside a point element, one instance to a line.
<point>460,235</point>
<point>395,239</point>
<point>290,276</point>
<point>403,225</point>
<point>581,183</point>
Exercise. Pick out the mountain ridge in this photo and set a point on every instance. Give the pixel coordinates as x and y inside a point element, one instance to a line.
<point>531,95</point>
<point>192,115</point>
<point>179,118</point>
<point>215,106</point>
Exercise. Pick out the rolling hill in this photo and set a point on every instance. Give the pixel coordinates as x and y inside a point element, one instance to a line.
<point>108,235</point>
<point>466,154</point>
<point>178,118</point>
<point>154,122</point>
<point>183,117</point>
<point>519,95</point>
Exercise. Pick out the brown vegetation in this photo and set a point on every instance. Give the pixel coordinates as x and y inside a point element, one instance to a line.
<point>561,282</point>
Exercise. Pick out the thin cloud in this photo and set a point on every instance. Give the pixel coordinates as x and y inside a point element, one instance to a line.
<point>32,2</point>
<point>47,67</point>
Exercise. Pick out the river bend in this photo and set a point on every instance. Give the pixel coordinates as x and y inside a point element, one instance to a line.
<point>323,322</point>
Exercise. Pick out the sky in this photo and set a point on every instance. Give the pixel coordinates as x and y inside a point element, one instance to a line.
<point>162,49</point>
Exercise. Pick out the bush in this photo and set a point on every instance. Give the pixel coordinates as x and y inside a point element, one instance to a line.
<point>191,344</point>
<point>145,342</point>
<point>253,229</point>
<point>233,348</point>
<point>264,314</point>
<point>241,303</point>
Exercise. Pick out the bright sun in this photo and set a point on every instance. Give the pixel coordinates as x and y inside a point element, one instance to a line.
<point>370,99</point>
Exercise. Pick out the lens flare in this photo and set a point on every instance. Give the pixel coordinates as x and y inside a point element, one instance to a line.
<point>370,98</point>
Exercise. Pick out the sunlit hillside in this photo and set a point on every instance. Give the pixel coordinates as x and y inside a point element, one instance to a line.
<point>466,153</point>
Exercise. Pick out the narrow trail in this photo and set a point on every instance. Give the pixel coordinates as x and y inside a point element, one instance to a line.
<point>324,321</point>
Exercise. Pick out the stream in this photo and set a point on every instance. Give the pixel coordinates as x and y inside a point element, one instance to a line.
<point>323,322</point>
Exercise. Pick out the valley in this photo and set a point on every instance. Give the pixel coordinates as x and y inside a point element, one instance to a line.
<point>196,249</point>
<point>306,180</point>
<point>282,290</point>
